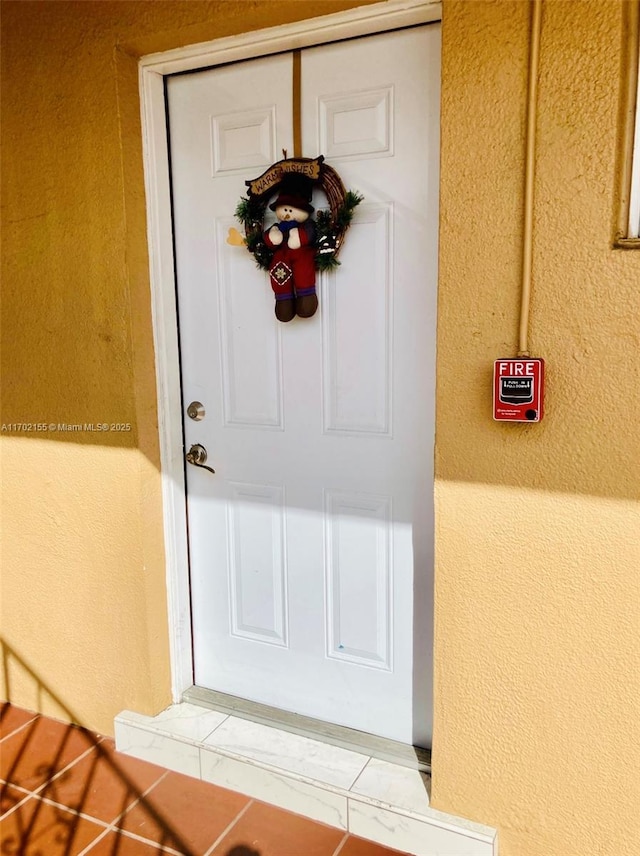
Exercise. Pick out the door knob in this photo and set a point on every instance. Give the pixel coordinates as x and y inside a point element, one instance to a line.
<point>197,455</point>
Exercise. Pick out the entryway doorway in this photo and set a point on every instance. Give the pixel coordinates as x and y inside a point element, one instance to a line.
<point>311,547</point>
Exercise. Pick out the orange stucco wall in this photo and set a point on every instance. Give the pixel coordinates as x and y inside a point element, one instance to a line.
<point>537,526</point>
<point>538,547</point>
<point>84,618</point>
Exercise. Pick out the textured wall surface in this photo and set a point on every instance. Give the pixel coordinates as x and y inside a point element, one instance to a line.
<point>84,618</point>
<point>537,571</point>
<point>536,719</point>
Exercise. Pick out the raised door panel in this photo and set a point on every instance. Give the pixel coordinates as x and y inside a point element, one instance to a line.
<point>357,124</point>
<point>357,327</point>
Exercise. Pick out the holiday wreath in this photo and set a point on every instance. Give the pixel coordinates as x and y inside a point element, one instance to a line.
<point>295,247</point>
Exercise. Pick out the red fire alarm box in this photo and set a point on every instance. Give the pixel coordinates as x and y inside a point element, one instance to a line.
<point>518,388</point>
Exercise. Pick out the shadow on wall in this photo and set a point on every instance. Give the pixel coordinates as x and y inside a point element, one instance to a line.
<point>69,767</point>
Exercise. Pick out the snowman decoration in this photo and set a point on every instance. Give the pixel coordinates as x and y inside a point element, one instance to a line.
<point>292,270</point>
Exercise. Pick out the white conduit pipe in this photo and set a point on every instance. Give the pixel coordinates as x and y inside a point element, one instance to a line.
<point>527,243</point>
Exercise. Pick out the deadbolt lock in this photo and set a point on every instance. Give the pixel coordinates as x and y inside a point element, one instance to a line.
<point>196,411</point>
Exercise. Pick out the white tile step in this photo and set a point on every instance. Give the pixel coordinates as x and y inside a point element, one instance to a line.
<point>377,800</point>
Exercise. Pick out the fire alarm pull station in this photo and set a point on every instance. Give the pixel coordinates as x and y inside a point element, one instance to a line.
<point>518,387</point>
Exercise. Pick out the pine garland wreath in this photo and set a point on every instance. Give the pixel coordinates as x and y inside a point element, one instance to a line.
<point>331,224</point>
<point>331,228</point>
<point>250,212</point>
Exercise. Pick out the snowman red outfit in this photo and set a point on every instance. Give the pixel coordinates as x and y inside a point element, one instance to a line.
<point>293,267</point>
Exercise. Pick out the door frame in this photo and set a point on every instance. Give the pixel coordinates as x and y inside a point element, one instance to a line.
<point>361,21</point>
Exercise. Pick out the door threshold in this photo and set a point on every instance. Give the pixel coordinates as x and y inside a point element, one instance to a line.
<point>364,795</point>
<point>413,757</point>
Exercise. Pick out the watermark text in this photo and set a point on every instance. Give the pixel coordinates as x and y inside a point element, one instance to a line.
<point>63,427</point>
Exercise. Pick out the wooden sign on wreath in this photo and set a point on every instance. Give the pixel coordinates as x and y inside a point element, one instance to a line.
<point>295,247</point>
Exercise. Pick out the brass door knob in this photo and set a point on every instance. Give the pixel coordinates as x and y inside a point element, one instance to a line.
<point>197,455</point>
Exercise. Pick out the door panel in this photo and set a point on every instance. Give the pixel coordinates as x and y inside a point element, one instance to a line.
<point>311,546</point>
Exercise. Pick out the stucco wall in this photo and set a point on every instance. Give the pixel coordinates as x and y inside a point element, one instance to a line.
<point>84,620</point>
<point>537,557</point>
<point>537,572</point>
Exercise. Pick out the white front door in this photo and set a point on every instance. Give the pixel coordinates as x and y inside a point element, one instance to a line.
<point>311,548</point>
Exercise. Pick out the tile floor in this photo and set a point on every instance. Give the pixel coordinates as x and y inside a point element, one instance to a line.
<point>65,791</point>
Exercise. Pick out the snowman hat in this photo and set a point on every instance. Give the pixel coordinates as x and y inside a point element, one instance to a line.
<point>295,190</point>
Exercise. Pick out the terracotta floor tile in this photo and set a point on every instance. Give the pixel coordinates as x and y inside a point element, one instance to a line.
<point>36,828</point>
<point>41,749</point>
<point>103,784</point>
<point>359,847</point>
<point>184,813</point>
<point>9,797</point>
<point>13,717</point>
<point>270,831</point>
<point>115,844</point>
<point>179,814</point>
